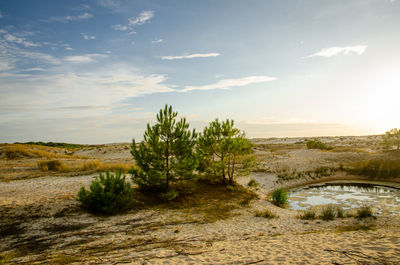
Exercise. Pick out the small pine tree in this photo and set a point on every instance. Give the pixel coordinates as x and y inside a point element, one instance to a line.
<point>166,153</point>
<point>107,194</point>
<point>221,147</point>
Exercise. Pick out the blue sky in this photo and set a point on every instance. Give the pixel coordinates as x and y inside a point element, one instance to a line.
<point>97,71</point>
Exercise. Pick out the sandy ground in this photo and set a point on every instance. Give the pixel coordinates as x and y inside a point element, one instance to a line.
<point>41,219</point>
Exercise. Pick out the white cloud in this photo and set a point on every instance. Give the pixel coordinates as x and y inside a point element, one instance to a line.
<point>86,58</point>
<point>333,51</point>
<point>108,3</point>
<point>88,37</point>
<point>12,38</point>
<point>229,83</point>
<point>143,18</point>
<point>191,56</point>
<point>157,41</point>
<point>67,19</point>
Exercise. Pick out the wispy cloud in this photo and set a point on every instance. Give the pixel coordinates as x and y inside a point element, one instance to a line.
<point>143,18</point>
<point>333,51</point>
<point>1,15</point>
<point>88,37</point>
<point>12,38</point>
<point>67,19</point>
<point>86,58</point>
<point>229,83</point>
<point>157,41</point>
<point>108,3</point>
<point>191,56</point>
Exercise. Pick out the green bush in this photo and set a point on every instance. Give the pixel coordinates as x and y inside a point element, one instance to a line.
<point>364,212</point>
<point>169,195</point>
<point>279,197</point>
<point>328,213</point>
<point>308,215</point>
<point>266,214</point>
<point>253,184</point>
<point>317,144</point>
<point>108,194</point>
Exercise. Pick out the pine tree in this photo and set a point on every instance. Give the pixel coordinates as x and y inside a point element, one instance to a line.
<point>166,154</point>
<point>220,148</point>
<point>392,137</point>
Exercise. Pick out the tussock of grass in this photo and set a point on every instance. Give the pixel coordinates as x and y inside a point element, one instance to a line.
<point>328,213</point>
<point>317,144</point>
<point>266,214</point>
<point>52,165</point>
<point>364,212</point>
<point>308,215</point>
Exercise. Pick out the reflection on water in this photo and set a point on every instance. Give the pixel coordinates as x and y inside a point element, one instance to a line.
<point>383,199</point>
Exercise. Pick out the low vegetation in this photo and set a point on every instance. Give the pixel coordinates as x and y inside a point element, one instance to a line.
<point>288,175</point>
<point>18,151</point>
<point>108,194</point>
<point>279,197</point>
<point>392,138</point>
<point>253,184</point>
<point>317,144</point>
<point>266,214</point>
<point>328,213</point>
<point>364,212</point>
<point>92,165</point>
<point>377,168</point>
<point>60,145</point>
<point>308,215</point>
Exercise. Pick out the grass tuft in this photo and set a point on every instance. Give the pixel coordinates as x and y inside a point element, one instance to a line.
<point>308,215</point>
<point>266,214</point>
<point>328,213</point>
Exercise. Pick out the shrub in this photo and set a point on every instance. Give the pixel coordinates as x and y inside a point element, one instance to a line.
<point>90,165</point>
<point>308,215</point>
<point>54,165</point>
<point>328,213</point>
<point>364,212</point>
<point>340,212</point>
<point>279,197</point>
<point>253,184</point>
<point>317,144</point>
<point>266,214</point>
<point>169,195</point>
<point>377,168</point>
<point>108,194</point>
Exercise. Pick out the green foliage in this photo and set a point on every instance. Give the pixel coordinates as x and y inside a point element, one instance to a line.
<point>317,144</point>
<point>61,145</point>
<point>266,214</point>
<point>377,168</point>
<point>328,213</point>
<point>166,153</point>
<point>279,197</point>
<point>220,148</point>
<point>392,138</point>
<point>253,184</point>
<point>169,195</point>
<point>108,194</point>
<point>364,212</point>
<point>308,215</point>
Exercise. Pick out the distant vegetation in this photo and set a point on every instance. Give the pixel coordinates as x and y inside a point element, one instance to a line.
<point>18,151</point>
<point>61,145</point>
<point>377,168</point>
<point>392,138</point>
<point>330,212</point>
<point>317,144</point>
<point>91,165</point>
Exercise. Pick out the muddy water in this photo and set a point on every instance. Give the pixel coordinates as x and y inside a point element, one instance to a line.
<point>384,198</point>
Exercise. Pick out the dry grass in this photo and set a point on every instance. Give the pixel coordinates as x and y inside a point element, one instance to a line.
<point>93,165</point>
<point>356,227</point>
<point>18,151</point>
<point>265,214</point>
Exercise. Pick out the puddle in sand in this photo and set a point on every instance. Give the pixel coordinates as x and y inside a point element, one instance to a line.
<point>382,198</point>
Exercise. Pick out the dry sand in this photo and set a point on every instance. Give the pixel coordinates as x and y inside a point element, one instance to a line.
<point>41,219</point>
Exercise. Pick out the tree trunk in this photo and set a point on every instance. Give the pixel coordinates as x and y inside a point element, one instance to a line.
<point>223,171</point>
<point>167,163</point>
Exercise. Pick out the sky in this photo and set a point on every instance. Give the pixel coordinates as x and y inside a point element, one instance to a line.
<point>98,71</point>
